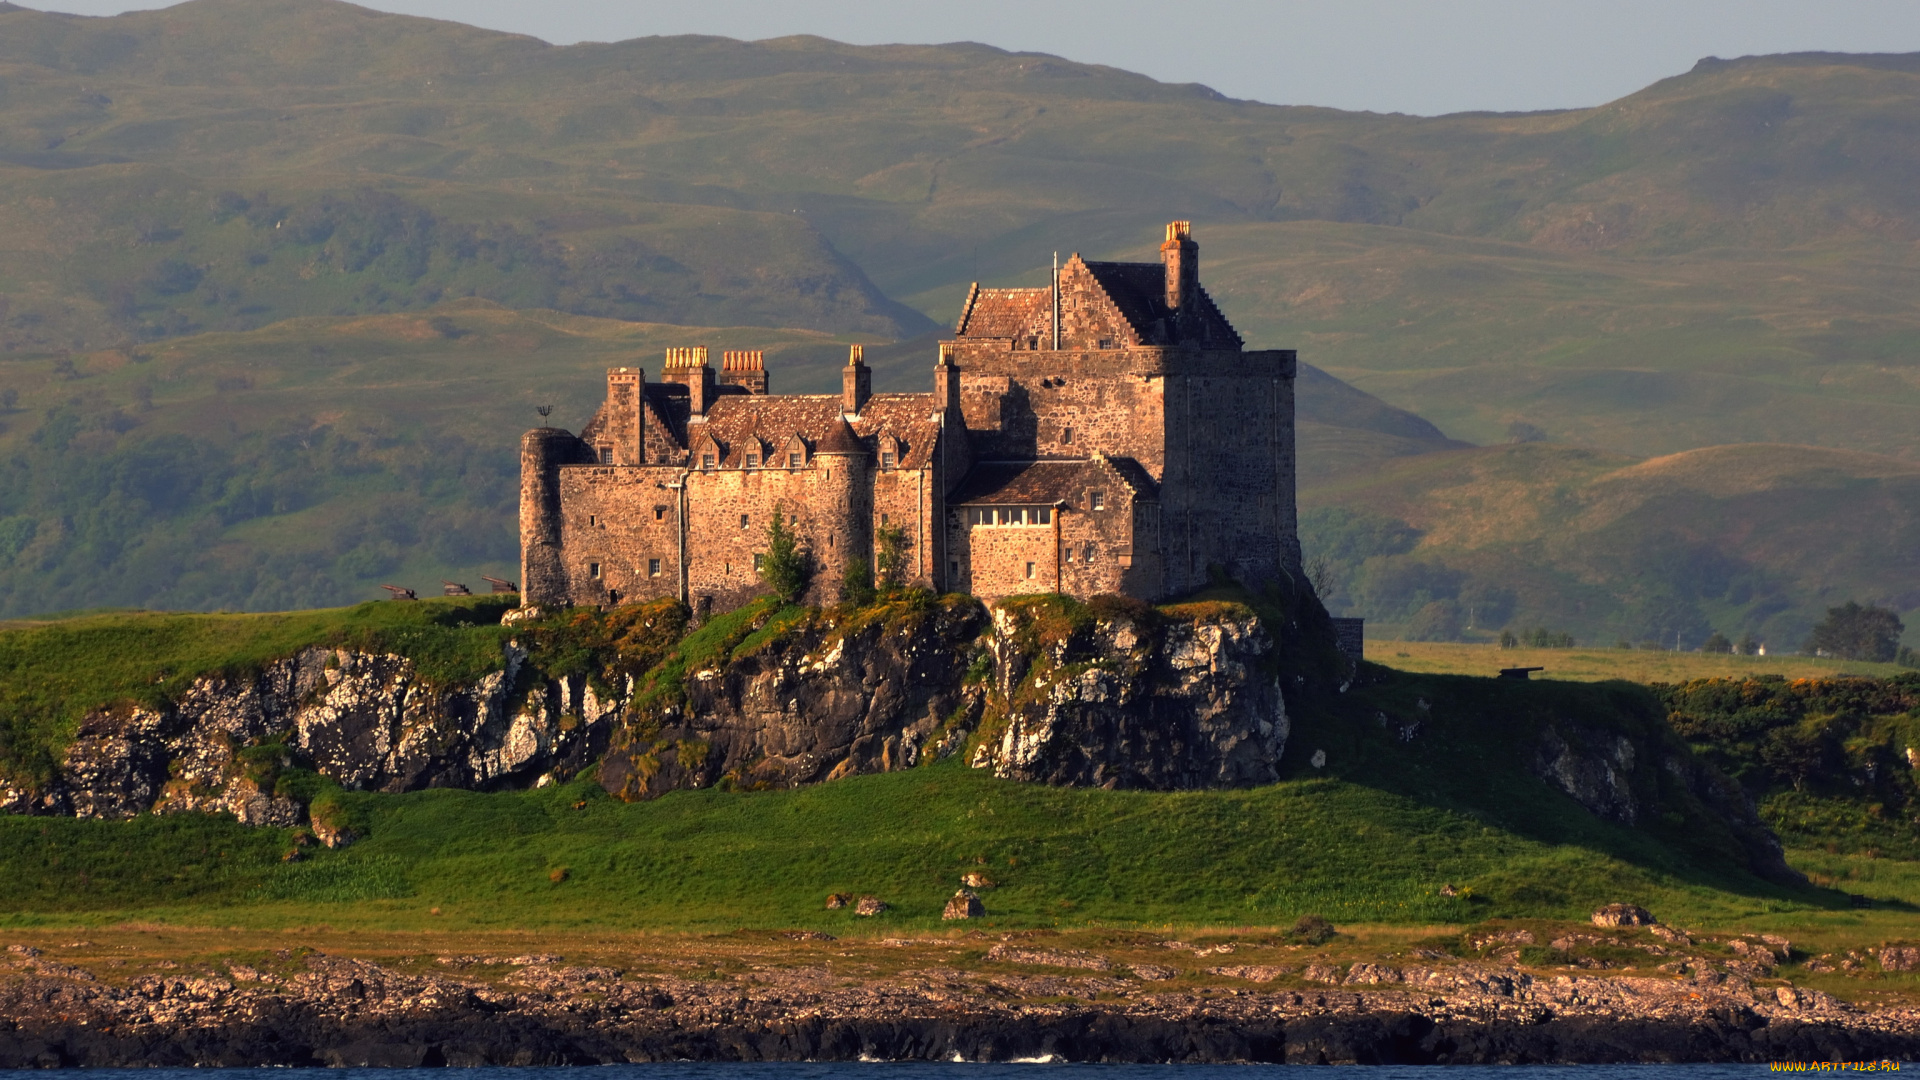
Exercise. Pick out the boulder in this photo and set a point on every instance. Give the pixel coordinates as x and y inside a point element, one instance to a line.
<point>1623,915</point>
<point>964,905</point>
<point>974,879</point>
<point>838,900</point>
<point>869,905</point>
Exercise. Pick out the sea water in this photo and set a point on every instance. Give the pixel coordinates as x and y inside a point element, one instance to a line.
<point>1014,1070</point>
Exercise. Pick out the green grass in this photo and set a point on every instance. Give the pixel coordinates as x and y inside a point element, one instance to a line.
<point>1582,664</point>
<point>54,674</point>
<point>712,859</point>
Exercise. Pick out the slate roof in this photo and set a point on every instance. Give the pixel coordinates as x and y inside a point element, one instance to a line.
<point>1006,313</point>
<point>1043,483</point>
<point>736,419</point>
<point>1138,292</point>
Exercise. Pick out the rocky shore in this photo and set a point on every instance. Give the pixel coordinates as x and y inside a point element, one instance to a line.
<point>803,996</point>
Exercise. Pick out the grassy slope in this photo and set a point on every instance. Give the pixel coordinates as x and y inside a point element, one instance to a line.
<point>1600,665</point>
<point>1733,237</point>
<point>1741,539</point>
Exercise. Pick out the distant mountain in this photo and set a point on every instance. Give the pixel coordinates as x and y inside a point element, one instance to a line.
<point>1725,258</point>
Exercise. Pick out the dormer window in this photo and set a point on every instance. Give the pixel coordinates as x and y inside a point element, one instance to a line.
<point>1097,499</point>
<point>794,460</point>
<point>886,459</point>
<point>606,455</point>
<point>753,461</point>
<point>706,461</point>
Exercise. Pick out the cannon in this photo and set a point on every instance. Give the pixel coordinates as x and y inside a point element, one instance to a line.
<point>501,585</point>
<point>395,592</point>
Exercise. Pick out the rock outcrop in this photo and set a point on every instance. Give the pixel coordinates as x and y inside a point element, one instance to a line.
<point>1130,697</point>
<point>366,721</point>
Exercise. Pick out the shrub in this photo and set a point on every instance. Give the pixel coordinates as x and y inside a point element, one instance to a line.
<point>1312,930</point>
<point>784,568</point>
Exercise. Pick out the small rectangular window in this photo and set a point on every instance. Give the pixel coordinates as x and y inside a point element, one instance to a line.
<point>883,519</point>
<point>954,568</point>
<point>1069,553</point>
<point>1098,499</point>
<point>1066,435</point>
<point>793,461</point>
<point>653,567</point>
<point>659,513</point>
<point>743,521</point>
<point>606,455</point>
<point>1029,569</point>
<point>706,461</point>
<point>753,461</point>
<point>593,519</point>
<point>1043,516</point>
<point>759,561</point>
<point>593,570</point>
<point>1089,555</point>
<point>886,460</point>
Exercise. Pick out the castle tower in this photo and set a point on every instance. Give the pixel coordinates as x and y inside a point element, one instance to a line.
<point>747,369</point>
<point>844,501</point>
<point>1181,258</point>
<point>543,579</point>
<point>856,381</point>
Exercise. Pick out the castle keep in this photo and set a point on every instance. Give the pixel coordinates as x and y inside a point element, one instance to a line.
<point>1106,434</point>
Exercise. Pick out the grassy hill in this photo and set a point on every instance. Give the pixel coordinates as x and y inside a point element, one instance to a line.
<point>1755,539</point>
<point>208,207</point>
<point>1390,815</point>
<point>1731,240</point>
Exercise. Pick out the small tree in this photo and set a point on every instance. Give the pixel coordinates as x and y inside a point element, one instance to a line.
<point>1746,646</point>
<point>891,558</point>
<point>1853,632</point>
<point>1716,643</point>
<point>856,585</point>
<point>784,567</point>
<point>1508,641</point>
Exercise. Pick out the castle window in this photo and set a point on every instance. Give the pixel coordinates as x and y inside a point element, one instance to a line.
<point>659,513</point>
<point>593,570</point>
<point>1066,435</point>
<point>706,461</point>
<point>1029,569</point>
<point>1043,515</point>
<point>886,460</point>
<point>593,519</point>
<point>1097,499</point>
<point>954,567</point>
<point>653,567</point>
<point>1089,557</point>
<point>1106,343</point>
<point>883,519</point>
<point>743,521</point>
<point>1069,553</point>
<point>1033,344</point>
<point>606,455</point>
<point>759,562</point>
<point>753,461</point>
<point>793,461</point>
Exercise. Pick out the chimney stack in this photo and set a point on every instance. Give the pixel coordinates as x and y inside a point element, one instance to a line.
<point>946,382</point>
<point>856,382</point>
<point>1181,256</point>
<point>746,368</point>
<point>688,367</point>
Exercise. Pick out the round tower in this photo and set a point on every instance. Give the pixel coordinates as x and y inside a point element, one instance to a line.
<point>843,510</point>
<point>543,576</point>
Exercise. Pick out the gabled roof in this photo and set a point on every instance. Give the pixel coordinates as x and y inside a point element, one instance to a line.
<point>1043,483</point>
<point>1136,291</point>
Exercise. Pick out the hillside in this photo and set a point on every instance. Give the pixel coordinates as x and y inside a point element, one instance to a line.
<point>1740,539</point>
<point>1734,237</point>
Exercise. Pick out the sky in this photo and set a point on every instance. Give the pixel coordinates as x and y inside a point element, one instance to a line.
<point>1414,56</point>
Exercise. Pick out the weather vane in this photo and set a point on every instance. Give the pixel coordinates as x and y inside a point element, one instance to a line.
<point>543,410</point>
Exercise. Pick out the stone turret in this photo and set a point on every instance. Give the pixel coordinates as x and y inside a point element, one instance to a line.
<point>543,579</point>
<point>844,510</point>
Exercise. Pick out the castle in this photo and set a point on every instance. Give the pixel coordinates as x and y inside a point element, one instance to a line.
<point>1104,434</point>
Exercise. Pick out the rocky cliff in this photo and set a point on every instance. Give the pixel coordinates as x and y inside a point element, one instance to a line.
<point>766,697</point>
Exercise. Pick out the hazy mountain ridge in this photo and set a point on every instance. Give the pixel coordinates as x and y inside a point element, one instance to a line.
<point>1723,258</point>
